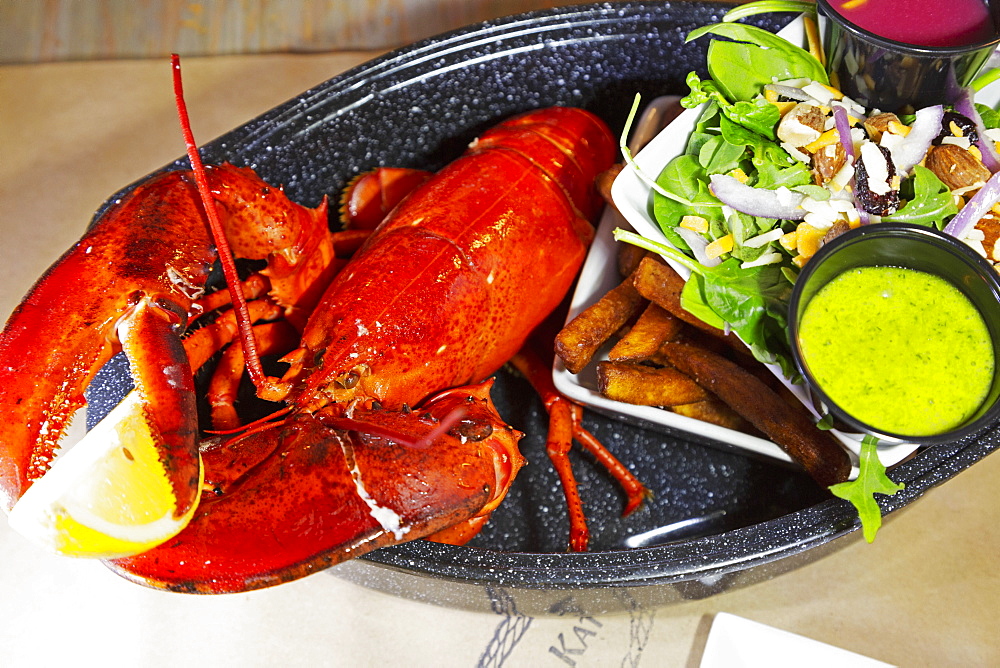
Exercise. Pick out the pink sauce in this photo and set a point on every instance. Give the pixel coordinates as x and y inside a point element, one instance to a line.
<point>921,22</point>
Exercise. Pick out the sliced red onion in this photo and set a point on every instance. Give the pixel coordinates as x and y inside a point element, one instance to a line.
<point>851,107</point>
<point>926,126</point>
<point>975,208</point>
<point>697,243</point>
<point>781,204</point>
<point>843,124</point>
<point>967,107</point>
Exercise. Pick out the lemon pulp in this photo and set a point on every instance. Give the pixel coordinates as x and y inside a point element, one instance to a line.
<point>108,496</point>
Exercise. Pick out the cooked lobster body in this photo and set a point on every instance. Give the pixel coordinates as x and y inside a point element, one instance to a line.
<point>389,433</point>
<point>493,241</point>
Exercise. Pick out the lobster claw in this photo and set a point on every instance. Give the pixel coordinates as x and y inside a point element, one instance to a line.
<point>166,415</point>
<point>129,284</point>
<point>304,494</point>
<point>98,298</point>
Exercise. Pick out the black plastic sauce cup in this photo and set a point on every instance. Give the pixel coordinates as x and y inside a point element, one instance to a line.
<point>910,247</point>
<point>883,74</point>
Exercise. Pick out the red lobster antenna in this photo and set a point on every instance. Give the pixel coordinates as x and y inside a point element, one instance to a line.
<point>256,371</point>
<point>243,323</point>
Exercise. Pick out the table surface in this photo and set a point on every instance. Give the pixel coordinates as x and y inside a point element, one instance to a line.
<point>926,593</point>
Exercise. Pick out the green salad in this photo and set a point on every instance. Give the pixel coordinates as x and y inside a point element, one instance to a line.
<point>780,162</point>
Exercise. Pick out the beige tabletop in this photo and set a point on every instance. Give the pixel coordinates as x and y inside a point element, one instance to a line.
<point>927,593</point>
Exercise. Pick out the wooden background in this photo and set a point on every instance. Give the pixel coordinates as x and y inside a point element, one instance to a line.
<point>56,30</point>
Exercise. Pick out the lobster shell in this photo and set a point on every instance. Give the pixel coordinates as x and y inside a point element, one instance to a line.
<point>447,289</point>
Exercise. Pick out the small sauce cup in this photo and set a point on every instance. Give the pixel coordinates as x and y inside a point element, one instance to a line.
<point>909,247</point>
<point>888,75</point>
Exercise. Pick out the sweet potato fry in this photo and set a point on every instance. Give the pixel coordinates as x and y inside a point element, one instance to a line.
<point>653,328</point>
<point>583,335</point>
<point>659,283</point>
<point>792,429</point>
<point>717,412</point>
<point>646,385</point>
<point>629,257</point>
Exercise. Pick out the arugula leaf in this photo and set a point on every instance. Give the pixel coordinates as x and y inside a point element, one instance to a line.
<point>701,91</point>
<point>773,166</point>
<point>861,492</point>
<point>741,68</point>
<point>757,115</point>
<point>930,201</point>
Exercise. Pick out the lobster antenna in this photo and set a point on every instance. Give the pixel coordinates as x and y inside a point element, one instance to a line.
<point>223,249</point>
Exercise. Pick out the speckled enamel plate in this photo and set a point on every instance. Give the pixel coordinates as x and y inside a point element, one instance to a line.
<point>718,519</point>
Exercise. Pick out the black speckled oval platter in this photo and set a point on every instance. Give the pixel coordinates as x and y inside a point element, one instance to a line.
<point>721,519</point>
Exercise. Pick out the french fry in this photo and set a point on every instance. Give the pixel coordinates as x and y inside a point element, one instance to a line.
<point>646,385</point>
<point>629,257</point>
<point>604,181</point>
<point>714,411</point>
<point>790,427</point>
<point>659,283</point>
<point>577,342</point>
<point>654,327</point>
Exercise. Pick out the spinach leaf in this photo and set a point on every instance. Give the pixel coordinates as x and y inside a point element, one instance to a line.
<point>718,156</point>
<point>758,115</point>
<point>742,67</point>
<point>693,301</point>
<point>991,117</point>
<point>685,177</point>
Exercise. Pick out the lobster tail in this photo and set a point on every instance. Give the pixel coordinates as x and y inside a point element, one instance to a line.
<point>567,144</point>
<point>521,193</point>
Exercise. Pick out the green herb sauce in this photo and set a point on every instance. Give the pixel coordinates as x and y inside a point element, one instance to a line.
<point>901,350</point>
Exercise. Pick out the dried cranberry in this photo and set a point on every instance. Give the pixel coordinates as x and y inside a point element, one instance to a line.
<point>964,123</point>
<point>875,203</point>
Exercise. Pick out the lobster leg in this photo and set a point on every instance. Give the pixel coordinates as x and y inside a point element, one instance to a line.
<point>255,286</point>
<point>370,197</point>
<point>272,338</point>
<point>565,425</point>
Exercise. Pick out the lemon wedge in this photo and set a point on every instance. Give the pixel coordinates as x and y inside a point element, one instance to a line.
<point>108,496</point>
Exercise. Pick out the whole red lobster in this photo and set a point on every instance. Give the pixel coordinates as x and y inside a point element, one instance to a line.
<point>389,434</point>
